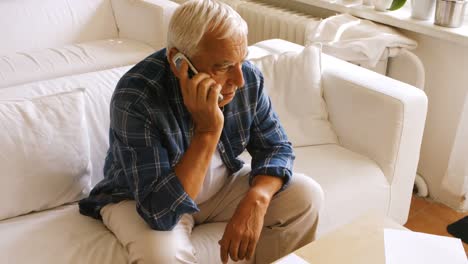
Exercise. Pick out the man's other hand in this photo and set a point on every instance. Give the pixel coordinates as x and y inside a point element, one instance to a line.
<point>243,230</point>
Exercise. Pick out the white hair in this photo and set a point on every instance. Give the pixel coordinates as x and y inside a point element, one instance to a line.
<point>194,18</point>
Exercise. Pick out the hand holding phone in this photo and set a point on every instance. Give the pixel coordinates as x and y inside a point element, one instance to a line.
<point>199,91</point>
<point>192,71</point>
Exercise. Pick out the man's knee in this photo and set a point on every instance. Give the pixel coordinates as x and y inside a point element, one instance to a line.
<point>164,248</point>
<point>308,193</point>
<point>162,251</point>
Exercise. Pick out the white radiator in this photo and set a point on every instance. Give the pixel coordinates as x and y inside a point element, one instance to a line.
<point>267,22</point>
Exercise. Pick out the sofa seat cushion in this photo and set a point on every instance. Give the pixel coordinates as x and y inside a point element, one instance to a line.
<point>63,235</point>
<point>24,67</point>
<point>344,176</point>
<point>60,235</point>
<point>205,239</point>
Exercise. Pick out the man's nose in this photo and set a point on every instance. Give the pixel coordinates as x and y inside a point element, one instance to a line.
<point>237,77</point>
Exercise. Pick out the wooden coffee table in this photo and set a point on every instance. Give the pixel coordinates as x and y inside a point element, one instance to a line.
<point>360,242</point>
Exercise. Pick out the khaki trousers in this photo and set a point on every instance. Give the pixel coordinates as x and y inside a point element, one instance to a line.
<point>290,222</point>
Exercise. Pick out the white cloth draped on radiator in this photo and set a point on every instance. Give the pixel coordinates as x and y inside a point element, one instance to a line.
<point>353,39</point>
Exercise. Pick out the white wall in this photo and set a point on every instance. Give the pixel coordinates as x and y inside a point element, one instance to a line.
<point>458,163</point>
<point>445,136</point>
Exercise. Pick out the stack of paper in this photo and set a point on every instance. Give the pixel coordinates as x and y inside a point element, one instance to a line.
<point>419,248</point>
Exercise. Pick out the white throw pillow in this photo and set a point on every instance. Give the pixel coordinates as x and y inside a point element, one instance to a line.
<point>293,82</point>
<point>44,153</point>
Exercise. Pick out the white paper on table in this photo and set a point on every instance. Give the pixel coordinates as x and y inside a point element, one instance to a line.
<point>292,259</point>
<point>419,248</point>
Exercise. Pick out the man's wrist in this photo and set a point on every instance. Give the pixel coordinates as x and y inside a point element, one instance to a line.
<point>259,196</point>
<point>207,137</point>
<point>264,187</point>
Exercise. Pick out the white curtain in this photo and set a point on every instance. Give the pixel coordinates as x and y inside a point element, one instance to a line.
<point>456,177</point>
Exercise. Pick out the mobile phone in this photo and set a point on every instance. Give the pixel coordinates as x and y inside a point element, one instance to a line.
<point>177,60</point>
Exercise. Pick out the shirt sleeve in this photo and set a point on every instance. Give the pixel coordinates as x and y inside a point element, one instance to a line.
<point>272,153</point>
<point>160,197</point>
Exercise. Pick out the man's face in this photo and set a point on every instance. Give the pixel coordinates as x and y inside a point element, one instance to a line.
<point>222,59</point>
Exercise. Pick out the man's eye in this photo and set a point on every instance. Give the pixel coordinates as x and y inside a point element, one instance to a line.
<point>224,69</point>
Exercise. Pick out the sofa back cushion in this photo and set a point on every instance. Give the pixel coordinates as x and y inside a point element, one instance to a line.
<point>45,159</point>
<point>32,24</point>
<point>293,82</point>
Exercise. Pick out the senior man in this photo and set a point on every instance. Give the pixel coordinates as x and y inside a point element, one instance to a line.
<point>174,146</point>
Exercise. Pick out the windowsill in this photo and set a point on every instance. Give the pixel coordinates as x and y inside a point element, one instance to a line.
<point>400,18</point>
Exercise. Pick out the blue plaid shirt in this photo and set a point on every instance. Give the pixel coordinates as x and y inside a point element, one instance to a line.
<point>150,130</point>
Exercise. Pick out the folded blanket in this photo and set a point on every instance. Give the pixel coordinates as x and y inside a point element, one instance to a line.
<point>353,39</point>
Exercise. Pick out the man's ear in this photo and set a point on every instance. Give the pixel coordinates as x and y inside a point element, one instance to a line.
<point>170,55</point>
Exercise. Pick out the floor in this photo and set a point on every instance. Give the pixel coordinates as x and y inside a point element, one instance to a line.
<point>430,217</point>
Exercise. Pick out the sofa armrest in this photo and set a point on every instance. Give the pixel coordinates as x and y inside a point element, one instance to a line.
<point>144,20</point>
<point>380,118</point>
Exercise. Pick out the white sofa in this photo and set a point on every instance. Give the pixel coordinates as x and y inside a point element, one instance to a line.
<point>90,44</point>
<point>53,38</point>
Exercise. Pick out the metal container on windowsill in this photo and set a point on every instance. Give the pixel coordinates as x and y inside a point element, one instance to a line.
<point>450,13</point>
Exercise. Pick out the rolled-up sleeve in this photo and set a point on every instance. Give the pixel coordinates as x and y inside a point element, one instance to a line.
<point>160,197</point>
<point>272,153</point>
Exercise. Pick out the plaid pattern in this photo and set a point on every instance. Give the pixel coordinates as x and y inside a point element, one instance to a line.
<point>151,129</point>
